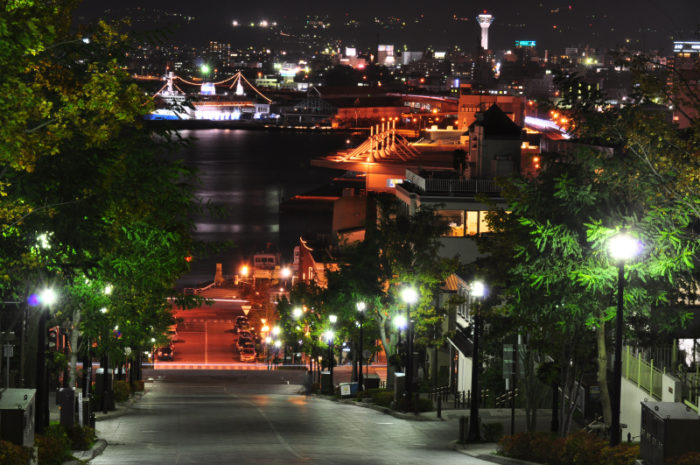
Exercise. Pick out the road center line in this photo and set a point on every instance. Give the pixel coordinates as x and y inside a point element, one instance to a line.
<point>279,436</point>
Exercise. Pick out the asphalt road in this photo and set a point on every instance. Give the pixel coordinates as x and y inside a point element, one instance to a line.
<point>256,417</point>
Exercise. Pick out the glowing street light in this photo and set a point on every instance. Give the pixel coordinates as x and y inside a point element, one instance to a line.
<point>276,330</point>
<point>332,319</point>
<point>45,298</point>
<point>410,296</point>
<point>361,309</point>
<point>622,248</point>
<point>297,312</point>
<point>478,291</point>
<point>328,336</point>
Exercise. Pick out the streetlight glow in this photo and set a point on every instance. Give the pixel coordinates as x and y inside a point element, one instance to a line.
<point>108,289</point>
<point>48,296</point>
<point>244,270</point>
<point>286,272</point>
<point>276,330</point>
<point>278,343</point>
<point>332,319</point>
<point>296,313</point>
<point>624,247</point>
<point>328,336</point>
<point>360,306</point>
<point>409,295</point>
<point>478,289</point>
<point>400,321</point>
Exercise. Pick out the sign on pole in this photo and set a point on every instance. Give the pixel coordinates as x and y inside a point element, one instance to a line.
<point>246,309</point>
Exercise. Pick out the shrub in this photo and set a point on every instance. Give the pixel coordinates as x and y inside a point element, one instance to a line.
<point>623,454</point>
<point>81,437</point>
<point>137,385</point>
<point>579,448</point>
<point>383,397</point>
<point>54,446</point>
<point>527,446</point>
<point>690,458</point>
<point>492,431</point>
<point>122,391</point>
<point>12,454</point>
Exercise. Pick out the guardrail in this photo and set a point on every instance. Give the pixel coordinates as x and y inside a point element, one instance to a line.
<point>643,373</point>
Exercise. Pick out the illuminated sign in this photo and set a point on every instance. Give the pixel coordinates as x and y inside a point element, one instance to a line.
<point>350,52</point>
<point>525,43</point>
<point>686,47</point>
<point>439,55</point>
<point>208,88</point>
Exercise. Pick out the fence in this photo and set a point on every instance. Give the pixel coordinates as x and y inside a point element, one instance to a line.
<point>460,399</point>
<point>643,373</point>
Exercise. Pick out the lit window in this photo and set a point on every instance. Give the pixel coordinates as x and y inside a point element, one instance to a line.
<point>455,219</point>
<point>472,223</point>
<point>483,224</point>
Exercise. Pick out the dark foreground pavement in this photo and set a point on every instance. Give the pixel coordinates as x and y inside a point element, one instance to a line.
<point>258,417</point>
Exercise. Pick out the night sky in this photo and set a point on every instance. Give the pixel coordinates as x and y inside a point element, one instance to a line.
<point>648,24</point>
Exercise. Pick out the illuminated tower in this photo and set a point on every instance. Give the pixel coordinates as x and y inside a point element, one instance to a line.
<point>485,21</point>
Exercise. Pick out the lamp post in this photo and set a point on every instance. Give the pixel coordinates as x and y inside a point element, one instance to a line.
<point>329,339</point>
<point>622,248</point>
<point>46,298</point>
<point>361,309</point>
<point>410,296</point>
<point>478,290</point>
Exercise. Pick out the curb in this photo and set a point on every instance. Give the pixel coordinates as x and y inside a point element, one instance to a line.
<point>501,460</point>
<point>82,456</point>
<point>386,410</point>
<point>125,408</point>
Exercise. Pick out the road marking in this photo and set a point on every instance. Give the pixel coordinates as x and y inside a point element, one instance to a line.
<point>385,423</point>
<point>279,436</point>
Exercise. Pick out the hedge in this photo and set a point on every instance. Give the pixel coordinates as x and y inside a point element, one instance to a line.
<point>577,449</point>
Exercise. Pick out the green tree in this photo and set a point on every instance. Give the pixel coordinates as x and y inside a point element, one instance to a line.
<point>89,196</point>
<point>556,241</point>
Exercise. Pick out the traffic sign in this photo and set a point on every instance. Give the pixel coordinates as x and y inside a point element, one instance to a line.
<point>246,309</point>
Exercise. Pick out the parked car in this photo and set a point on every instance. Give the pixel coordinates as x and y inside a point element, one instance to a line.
<point>165,353</point>
<point>244,342</point>
<point>241,324</point>
<point>248,354</point>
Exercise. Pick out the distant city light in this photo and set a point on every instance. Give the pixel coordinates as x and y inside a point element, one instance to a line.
<point>235,23</point>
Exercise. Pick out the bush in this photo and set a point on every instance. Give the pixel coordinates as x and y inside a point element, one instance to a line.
<point>122,391</point>
<point>81,437</point>
<point>12,454</point>
<point>383,397</point>
<point>137,385</point>
<point>54,446</point>
<point>690,458</point>
<point>492,431</point>
<point>579,448</point>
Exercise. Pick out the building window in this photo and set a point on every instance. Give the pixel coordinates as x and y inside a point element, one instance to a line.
<point>472,223</point>
<point>455,220</point>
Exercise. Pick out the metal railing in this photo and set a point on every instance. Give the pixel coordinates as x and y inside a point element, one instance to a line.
<point>642,372</point>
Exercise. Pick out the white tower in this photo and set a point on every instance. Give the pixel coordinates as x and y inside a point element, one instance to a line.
<point>485,21</point>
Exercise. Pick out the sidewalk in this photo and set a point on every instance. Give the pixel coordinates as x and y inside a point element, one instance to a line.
<point>483,450</point>
<point>122,408</point>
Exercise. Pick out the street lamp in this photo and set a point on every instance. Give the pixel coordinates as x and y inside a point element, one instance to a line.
<point>361,309</point>
<point>622,248</point>
<point>46,298</point>
<point>328,336</point>
<point>410,296</point>
<point>296,313</point>
<point>478,290</point>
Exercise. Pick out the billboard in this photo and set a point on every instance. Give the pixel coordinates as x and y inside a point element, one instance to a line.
<point>525,43</point>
